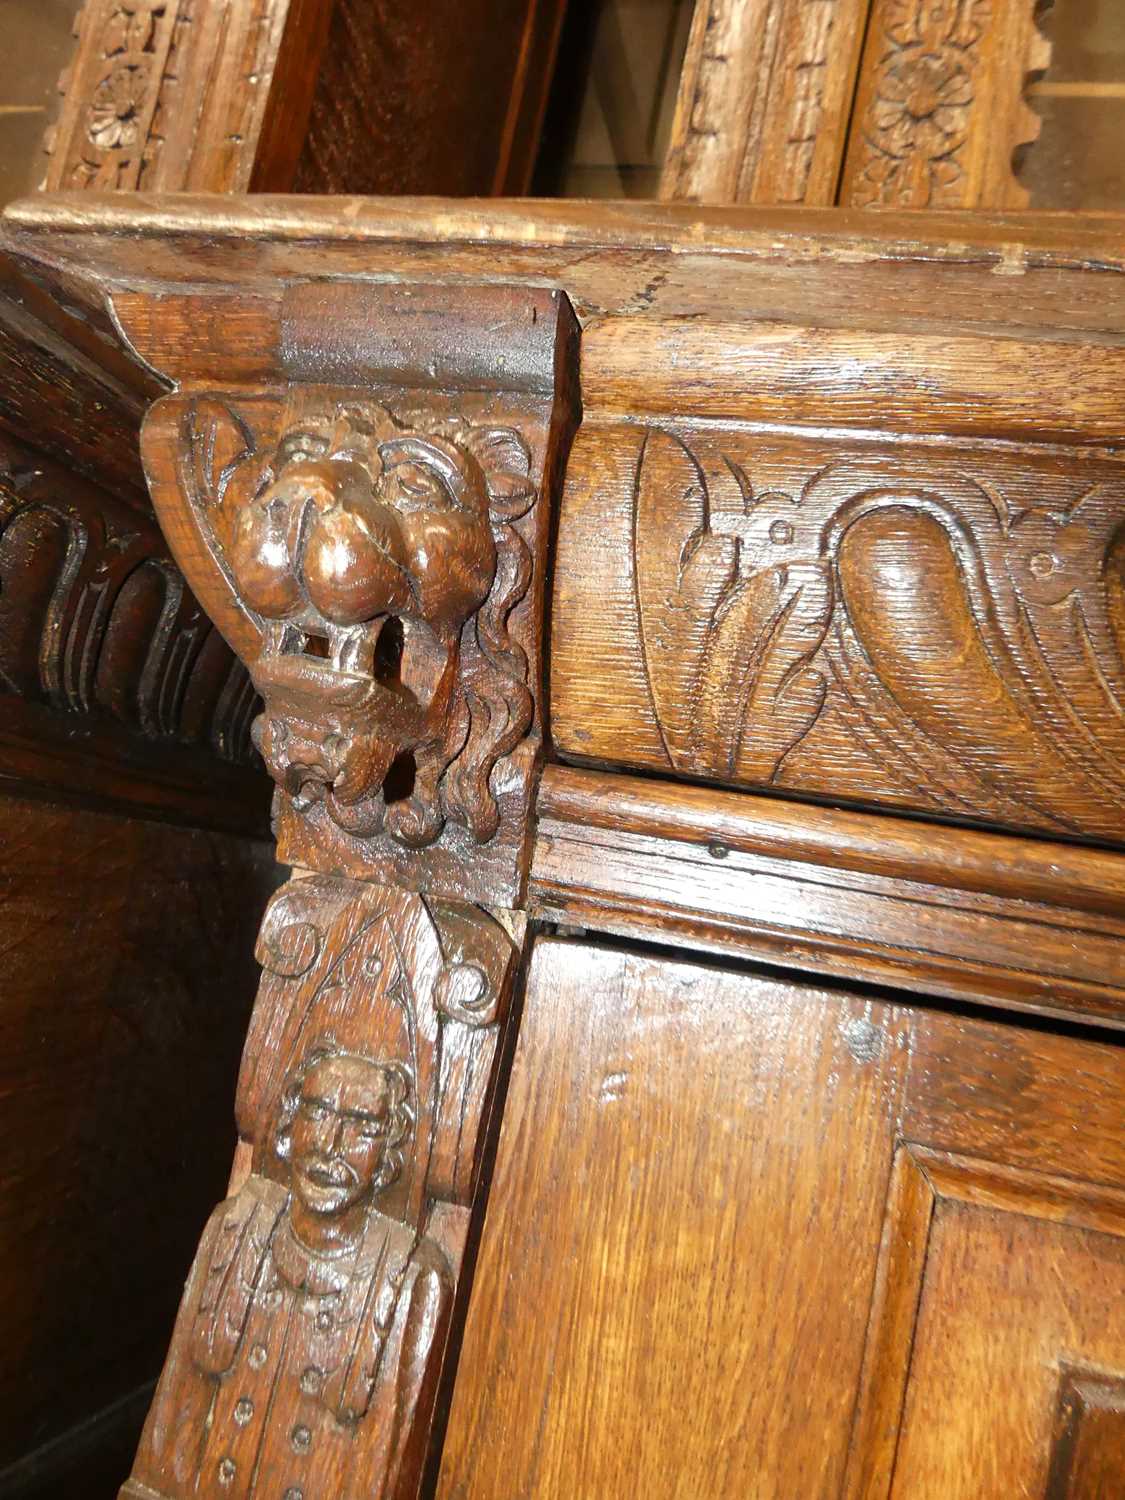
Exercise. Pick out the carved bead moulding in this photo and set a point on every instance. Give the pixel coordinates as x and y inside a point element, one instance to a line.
<point>930,628</point>
<point>369,533</point>
<point>312,1329</point>
<point>95,619</point>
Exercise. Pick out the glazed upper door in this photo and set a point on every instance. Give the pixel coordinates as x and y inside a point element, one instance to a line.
<point>756,1239</point>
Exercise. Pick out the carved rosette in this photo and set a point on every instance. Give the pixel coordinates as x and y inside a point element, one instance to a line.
<point>940,107</point>
<point>373,552</point>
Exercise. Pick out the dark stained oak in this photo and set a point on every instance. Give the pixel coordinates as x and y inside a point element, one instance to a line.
<point>1088,1460</point>
<point>817,624</point>
<point>126,978</point>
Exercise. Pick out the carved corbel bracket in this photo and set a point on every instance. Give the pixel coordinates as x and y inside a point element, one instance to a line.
<point>367,526</point>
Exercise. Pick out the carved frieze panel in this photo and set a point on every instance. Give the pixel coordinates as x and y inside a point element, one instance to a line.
<point>95,618</point>
<point>374,552</point>
<point>312,1329</point>
<point>918,626</point>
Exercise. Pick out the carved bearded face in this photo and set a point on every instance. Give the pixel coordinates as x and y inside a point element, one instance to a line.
<point>348,1121</point>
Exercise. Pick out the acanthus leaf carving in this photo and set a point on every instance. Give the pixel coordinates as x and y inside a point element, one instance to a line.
<point>966,642</point>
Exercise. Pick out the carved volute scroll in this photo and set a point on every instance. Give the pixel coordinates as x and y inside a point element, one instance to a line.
<point>369,536</point>
<point>311,1333</point>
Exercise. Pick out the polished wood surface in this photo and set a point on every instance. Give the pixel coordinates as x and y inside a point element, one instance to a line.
<point>947,911</point>
<point>127,980</point>
<point>838,542</point>
<point>310,1339</point>
<point>368,523</point>
<point>681,1265</point>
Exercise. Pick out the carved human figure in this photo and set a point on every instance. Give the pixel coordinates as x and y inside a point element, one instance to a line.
<point>307,1333</point>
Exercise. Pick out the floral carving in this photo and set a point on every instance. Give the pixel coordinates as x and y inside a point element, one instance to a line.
<point>924,96</point>
<point>116,104</point>
<point>918,606</point>
<point>111,93</point>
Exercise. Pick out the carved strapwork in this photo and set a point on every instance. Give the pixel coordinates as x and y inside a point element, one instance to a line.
<point>311,1333</point>
<point>368,531</point>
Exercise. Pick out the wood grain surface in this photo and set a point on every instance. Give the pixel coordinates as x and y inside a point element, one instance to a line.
<point>932,628</point>
<point>764,101</point>
<point>680,1257</point>
<point>948,911</point>
<point>127,979</point>
<point>940,112</point>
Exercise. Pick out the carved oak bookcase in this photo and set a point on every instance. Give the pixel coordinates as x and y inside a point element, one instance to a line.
<point>696,636</point>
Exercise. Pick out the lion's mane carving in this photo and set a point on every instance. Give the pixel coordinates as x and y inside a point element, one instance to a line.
<point>377,552</point>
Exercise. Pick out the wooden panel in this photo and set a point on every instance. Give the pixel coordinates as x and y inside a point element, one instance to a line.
<point>188,94</point>
<point>950,911</point>
<point>650,1313</point>
<point>127,979</point>
<point>764,101</point>
<point>937,629</point>
<point>1088,1458</point>
<point>444,98</point>
<point>940,111</point>
<point>685,1151</point>
<point>1012,1275</point>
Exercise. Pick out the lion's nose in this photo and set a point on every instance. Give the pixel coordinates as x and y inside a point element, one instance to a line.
<point>353,563</point>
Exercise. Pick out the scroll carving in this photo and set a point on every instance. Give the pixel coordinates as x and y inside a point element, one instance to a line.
<point>312,1329</point>
<point>946,633</point>
<point>95,619</point>
<point>373,554</point>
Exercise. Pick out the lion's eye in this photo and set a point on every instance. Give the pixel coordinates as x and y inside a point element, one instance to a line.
<point>415,479</point>
<point>316,1111</point>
